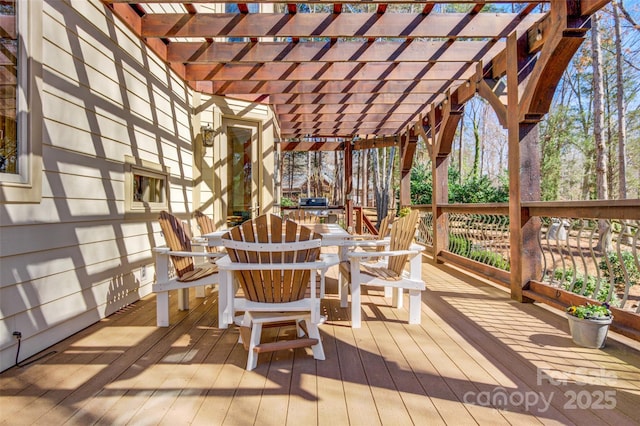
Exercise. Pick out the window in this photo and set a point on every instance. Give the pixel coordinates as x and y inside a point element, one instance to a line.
<point>147,187</point>
<point>9,159</point>
<point>20,101</point>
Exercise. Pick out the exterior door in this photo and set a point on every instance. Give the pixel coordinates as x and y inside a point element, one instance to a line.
<point>243,170</point>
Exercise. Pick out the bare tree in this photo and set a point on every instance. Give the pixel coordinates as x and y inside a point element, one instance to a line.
<point>598,128</point>
<point>622,120</point>
<point>382,175</point>
<point>626,14</point>
<point>308,173</point>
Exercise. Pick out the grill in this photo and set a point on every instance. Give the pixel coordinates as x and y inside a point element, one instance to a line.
<point>315,205</point>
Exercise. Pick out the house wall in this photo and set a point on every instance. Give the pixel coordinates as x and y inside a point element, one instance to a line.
<point>75,255</point>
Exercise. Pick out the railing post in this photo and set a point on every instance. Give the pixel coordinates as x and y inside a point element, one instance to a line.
<point>359,213</point>
<point>440,195</point>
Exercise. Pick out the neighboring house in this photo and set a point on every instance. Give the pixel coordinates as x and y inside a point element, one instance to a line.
<point>297,187</point>
<point>107,136</point>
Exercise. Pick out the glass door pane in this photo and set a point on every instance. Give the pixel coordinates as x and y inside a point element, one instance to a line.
<point>240,174</point>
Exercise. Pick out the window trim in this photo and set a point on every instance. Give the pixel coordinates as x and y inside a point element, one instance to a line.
<point>26,185</point>
<point>144,168</point>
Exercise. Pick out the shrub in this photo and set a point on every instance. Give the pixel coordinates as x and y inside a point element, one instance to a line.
<point>590,283</point>
<point>490,258</point>
<point>616,268</point>
<point>287,202</point>
<point>459,245</point>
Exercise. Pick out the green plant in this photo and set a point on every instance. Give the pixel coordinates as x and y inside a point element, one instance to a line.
<point>616,268</point>
<point>459,245</point>
<point>404,211</point>
<point>478,190</point>
<point>590,311</point>
<point>490,258</point>
<point>589,282</point>
<point>287,202</point>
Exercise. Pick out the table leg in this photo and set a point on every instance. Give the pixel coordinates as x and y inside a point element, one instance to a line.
<point>223,298</point>
<point>343,283</point>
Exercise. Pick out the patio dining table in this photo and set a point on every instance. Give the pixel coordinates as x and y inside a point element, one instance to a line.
<point>333,235</point>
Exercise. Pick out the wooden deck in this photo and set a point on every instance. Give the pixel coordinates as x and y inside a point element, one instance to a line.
<point>477,358</point>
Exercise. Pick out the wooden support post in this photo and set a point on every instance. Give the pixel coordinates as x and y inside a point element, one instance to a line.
<point>513,137</point>
<point>521,180</point>
<point>348,183</point>
<point>440,195</point>
<point>530,190</point>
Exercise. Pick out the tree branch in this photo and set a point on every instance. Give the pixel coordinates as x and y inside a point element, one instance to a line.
<point>627,16</point>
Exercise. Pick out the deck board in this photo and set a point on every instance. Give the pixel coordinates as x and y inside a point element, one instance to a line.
<point>473,341</point>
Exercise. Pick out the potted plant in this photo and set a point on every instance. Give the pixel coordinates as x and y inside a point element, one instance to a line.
<point>589,324</point>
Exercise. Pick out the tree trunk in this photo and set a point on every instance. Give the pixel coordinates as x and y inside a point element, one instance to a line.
<point>460,152</point>
<point>365,177</point>
<point>608,133</point>
<point>382,175</point>
<point>308,173</point>
<point>317,174</point>
<point>622,118</point>
<point>622,122</point>
<point>292,163</point>
<point>358,196</point>
<point>598,129</point>
<point>475,170</point>
<point>337,179</point>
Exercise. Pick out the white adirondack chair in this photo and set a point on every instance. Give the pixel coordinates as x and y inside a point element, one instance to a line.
<point>389,271</point>
<point>275,277</point>
<point>187,274</point>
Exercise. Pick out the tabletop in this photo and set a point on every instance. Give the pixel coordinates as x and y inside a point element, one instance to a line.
<point>332,234</point>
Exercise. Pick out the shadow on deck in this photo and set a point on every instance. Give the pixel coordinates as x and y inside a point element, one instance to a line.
<point>477,357</point>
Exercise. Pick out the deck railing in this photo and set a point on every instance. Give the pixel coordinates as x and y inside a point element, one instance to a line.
<point>590,249</point>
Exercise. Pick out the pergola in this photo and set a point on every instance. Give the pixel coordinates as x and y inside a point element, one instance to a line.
<point>384,74</point>
<point>399,70</point>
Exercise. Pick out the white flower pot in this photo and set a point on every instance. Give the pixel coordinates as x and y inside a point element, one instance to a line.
<point>590,333</point>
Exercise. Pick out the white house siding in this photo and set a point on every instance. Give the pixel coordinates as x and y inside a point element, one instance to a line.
<point>74,257</point>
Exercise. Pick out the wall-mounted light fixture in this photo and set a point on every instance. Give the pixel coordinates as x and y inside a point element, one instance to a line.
<point>207,135</point>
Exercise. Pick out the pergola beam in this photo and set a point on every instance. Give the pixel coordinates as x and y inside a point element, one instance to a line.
<point>326,86</point>
<point>342,131</point>
<point>311,146</point>
<point>346,51</point>
<point>344,109</point>
<point>322,71</point>
<point>329,25</point>
<point>349,98</point>
<point>378,142</point>
<point>333,118</point>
